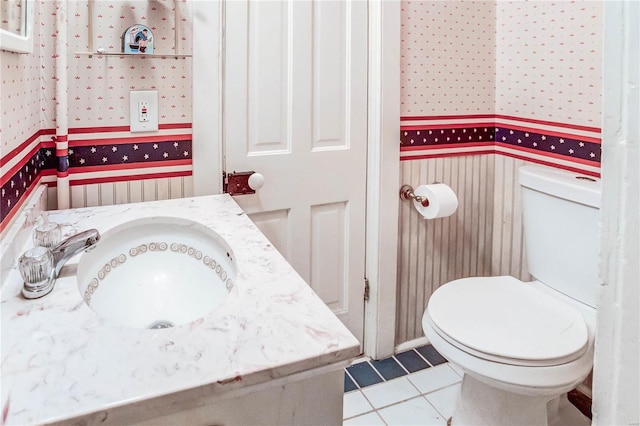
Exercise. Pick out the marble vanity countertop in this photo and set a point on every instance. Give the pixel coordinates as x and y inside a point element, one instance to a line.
<point>62,362</point>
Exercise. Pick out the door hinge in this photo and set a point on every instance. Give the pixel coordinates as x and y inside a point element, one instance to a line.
<point>367,289</point>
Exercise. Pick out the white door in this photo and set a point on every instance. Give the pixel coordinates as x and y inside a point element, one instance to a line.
<point>295,111</point>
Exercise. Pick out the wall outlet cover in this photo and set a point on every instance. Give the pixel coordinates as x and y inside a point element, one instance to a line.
<point>143,111</point>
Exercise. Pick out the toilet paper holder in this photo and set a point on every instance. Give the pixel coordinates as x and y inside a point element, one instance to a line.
<point>406,193</point>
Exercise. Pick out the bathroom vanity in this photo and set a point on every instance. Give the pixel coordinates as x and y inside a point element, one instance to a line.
<point>271,353</point>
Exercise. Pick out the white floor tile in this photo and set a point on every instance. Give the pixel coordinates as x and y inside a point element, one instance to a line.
<point>416,411</point>
<point>434,378</point>
<point>371,419</point>
<point>390,392</point>
<point>457,369</point>
<point>355,403</point>
<point>444,400</point>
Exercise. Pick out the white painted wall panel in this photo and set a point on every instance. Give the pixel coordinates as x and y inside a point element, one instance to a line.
<point>91,195</point>
<point>122,193</point>
<point>52,198</point>
<point>508,243</point>
<point>149,190</point>
<point>484,237</point>
<point>135,191</point>
<point>162,189</point>
<point>104,194</point>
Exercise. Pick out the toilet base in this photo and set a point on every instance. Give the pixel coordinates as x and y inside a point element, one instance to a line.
<point>480,404</point>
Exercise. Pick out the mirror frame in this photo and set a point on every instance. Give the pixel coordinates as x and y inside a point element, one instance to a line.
<point>20,43</point>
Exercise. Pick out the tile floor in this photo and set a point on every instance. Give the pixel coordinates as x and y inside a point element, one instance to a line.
<point>417,386</point>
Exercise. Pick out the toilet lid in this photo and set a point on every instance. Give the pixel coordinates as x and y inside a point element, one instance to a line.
<point>505,318</point>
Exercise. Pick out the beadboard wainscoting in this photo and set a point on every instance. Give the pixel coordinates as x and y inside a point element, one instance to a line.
<point>432,252</point>
<point>130,191</point>
<point>508,253</point>
<point>483,238</point>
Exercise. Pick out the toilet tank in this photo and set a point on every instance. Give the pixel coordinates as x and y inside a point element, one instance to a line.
<point>562,237</point>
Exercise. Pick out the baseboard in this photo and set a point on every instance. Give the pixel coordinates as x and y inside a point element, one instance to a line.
<point>411,344</point>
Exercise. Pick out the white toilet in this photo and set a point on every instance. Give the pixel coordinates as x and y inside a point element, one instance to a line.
<point>522,345</point>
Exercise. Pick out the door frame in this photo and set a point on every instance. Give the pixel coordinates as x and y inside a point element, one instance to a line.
<point>615,371</point>
<point>383,158</point>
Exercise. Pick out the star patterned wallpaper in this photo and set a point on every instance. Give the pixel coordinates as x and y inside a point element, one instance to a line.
<point>428,137</point>
<point>129,153</point>
<point>553,144</point>
<point>549,60</point>
<point>576,148</point>
<point>530,70</point>
<point>97,97</point>
<point>11,191</point>
<point>447,58</point>
<point>99,86</point>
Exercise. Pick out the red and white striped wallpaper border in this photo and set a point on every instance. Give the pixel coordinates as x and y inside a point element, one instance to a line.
<point>586,133</point>
<point>568,130</point>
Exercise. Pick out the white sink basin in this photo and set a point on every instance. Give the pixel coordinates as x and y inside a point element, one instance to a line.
<point>156,273</point>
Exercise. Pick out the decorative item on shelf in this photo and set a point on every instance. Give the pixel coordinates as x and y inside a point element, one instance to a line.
<point>137,39</point>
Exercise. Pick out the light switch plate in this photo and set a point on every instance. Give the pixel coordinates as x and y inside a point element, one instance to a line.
<point>143,121</point>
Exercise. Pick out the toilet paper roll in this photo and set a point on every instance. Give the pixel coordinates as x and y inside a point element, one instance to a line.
<point>442,200</point>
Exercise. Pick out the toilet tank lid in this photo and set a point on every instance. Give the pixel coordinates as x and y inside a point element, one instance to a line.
<point>570,186</point>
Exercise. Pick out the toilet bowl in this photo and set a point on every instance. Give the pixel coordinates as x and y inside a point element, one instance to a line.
<point>523,337</point>
<point>524,344</point>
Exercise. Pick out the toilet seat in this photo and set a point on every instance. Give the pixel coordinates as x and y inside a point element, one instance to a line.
<point>520,326</point>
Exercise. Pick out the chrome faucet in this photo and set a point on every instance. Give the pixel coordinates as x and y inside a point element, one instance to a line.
<point>40,266</point>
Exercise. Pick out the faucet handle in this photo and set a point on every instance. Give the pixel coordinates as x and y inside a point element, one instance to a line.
<point>40,266</point>
<point>47,234</point>
<point>37,269</point>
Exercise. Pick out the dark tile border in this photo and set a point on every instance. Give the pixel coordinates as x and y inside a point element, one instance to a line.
<point>368,373</point>
<point>372,372</point>
<point>389,368</point>
<point>431,355</point>
<point>412,361</point>
<point>349,385</point>
<point>364,374</point>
